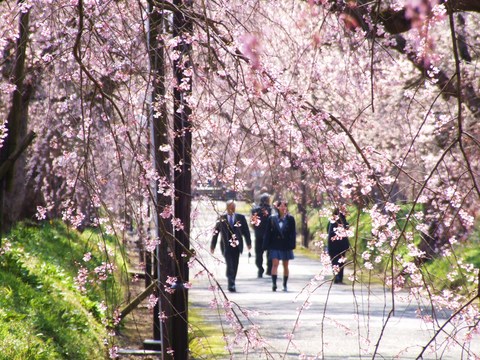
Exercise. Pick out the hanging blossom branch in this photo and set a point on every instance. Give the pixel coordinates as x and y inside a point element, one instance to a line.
<point>450,319</point>
<point>397,22</point>
<point>143,164</point>
<point>459,105</point>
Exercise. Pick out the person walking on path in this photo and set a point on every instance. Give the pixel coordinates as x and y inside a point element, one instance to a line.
<point>232,228</point>
<point>337,243</point>
<point>280,240</point>
<point>260,214</point>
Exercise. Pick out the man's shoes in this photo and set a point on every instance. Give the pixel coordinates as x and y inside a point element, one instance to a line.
<point>274,288</point>
<point>259,275</point>
<point>269,273</point>
<point>284,289</point>
<point>232,289</point>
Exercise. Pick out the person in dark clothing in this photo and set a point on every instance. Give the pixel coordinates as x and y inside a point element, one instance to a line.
<point>280,240</point>
<point>337,244</point>
<point>232,228</point>
<point>260,214</point>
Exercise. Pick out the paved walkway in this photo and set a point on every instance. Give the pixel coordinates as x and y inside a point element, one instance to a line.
<point>327,321</point>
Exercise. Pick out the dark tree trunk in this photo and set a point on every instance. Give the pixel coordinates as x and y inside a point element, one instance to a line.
<point>12,185</point>
<point>302,207</point>
<point>182,27</point>
<point>163,265</point>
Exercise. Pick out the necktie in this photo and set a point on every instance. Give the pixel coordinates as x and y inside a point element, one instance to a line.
<point>230,220</point>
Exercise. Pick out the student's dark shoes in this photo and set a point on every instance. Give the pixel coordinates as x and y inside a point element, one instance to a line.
<point>232,289</point>
<point>274,282</point>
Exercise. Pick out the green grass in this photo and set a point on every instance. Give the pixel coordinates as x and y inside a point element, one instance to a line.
<point>301,250</point>
<point>242,207</point>
<point>205,339</point>
<point>447,272</point>
<point>42,314</point>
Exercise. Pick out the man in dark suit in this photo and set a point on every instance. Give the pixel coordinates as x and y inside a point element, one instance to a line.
<point>233,228</point>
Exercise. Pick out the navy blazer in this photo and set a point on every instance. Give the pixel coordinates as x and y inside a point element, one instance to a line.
<point>337,246</point>
<point>262,212</point>
<point>240,229</point>
<point>277,238</point>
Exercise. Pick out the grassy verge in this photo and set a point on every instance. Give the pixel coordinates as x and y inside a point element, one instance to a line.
<point>205,339</point>
<point>42,313</point>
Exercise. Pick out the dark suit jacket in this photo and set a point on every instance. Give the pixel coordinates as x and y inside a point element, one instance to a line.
<point>240,230</point>
<point>280,239</point>
<point>263,212</point>
<point>337,246</point>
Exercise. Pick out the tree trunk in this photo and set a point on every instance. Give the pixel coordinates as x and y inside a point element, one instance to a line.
<point>303,210</point>
<point>163,263</point>
<point>12,185</point>
<point>182,27</point>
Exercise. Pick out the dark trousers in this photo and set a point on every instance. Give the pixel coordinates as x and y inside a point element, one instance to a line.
<point>336,262</point>
<point>231,259</point>
<point>259,257</point>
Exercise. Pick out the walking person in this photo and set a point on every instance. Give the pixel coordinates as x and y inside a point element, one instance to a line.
<point>337,243</point>
<point>280,240</point>
<point>232,228</point>
<point>260,214</point>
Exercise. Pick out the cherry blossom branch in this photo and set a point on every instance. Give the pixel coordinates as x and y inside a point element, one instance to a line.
<point>453,316</point>
<point>354,143</point>
<point>396,22</point>
<point>402,235</point>
<point>459,104</point>
<point>109,98</point>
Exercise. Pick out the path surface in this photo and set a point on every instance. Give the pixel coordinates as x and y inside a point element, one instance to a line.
<point>340,322</point>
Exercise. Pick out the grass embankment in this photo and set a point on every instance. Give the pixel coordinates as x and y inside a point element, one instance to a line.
<point>42,313</point>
